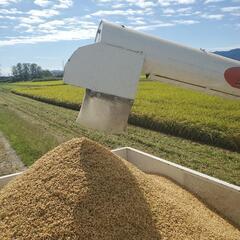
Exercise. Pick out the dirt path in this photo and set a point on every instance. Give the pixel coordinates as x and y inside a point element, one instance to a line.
<point>9,161</point>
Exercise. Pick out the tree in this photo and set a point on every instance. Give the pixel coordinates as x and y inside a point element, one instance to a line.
<point>14,71</point>
<point>46,73</point>
<point>17,71</point>
<point>29,71</point>
<point>33,69</point>
<point>39,72</point>
<point>26,74</point>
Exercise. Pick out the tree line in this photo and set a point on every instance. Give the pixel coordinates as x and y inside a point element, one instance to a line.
<point>29,71</point>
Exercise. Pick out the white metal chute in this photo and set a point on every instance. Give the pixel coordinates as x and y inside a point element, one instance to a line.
<point>105,68</point>
<point>110,75</point>
<point>173,62</point>
<point>110,70</point>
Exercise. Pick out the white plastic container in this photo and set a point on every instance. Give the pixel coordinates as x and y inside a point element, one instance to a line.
<point>217,194</point>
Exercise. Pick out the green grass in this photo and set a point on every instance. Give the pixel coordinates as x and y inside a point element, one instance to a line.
<point>26,138</point>
<point>162,107</point>
<point>33,128</point>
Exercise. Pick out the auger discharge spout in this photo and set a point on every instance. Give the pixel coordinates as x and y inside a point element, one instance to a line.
<point>110,70</point>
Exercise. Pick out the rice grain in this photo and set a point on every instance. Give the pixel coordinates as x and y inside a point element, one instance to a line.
<point>80,190</point>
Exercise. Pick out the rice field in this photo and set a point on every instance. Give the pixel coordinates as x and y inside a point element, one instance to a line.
<point>162,107</point>
<point>40,83</point>
<point>60,95</point>
<point>33,128</point>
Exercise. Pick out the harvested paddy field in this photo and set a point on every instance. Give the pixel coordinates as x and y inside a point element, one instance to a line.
<point>80,190</point>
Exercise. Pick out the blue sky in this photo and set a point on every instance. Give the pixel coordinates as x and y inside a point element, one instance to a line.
<point>47,32</point>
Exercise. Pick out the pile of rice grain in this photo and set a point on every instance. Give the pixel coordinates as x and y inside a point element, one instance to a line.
<point>80,190</point>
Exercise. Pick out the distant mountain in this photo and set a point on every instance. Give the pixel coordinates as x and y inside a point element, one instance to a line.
<point>234,53</point>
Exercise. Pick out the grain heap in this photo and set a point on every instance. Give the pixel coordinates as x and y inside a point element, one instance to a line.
<point>80,190</point>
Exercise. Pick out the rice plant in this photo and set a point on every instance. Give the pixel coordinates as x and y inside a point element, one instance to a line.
<point>162,107</point>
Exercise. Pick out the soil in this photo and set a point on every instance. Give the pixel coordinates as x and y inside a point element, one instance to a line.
<point>9,161</point>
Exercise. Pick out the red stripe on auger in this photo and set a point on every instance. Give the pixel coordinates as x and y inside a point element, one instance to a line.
<point>232,76</point>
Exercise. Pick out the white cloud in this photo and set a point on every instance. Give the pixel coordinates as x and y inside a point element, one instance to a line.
<point>130,3</point>
<point>28,27</point>
<point>230,9</point>
<point>65,35</point>
<point>38,16</point>
<point>51,25</point>
<point>187,11</point>
<point>128,12</point>
<point>213,16</point>
<point>186,22</point>
<point>212,1</point>
<point>42,3</point>
<point>8,17</point>
<point>159,24</point>
<point>180,11</point>
<point>64,23</point>
<point>168,11</point>
<point>118,5</point>
<point>63,4</point>
<point>175,2</point>
<point>132,18</point>
<point>148,3</point>
<point>142,3</point>
<point>154,26</point>
<point>47,13</point>
<point>10,11</point>
<point>184,10</point>
<point>104,1</point>
<point>31,20</point>
<point>138,22</point>
<point>86,17</point>
<point>8,2</point>
<point>54,26</point>
<point>235,11</point>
